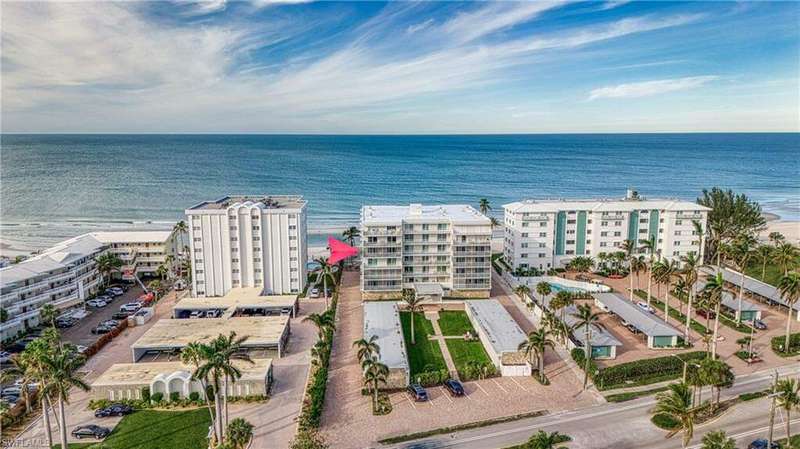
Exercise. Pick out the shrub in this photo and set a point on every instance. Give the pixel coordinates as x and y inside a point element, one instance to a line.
<point>146,394</point>
<point>579,357</point>
<point>645,371</point>
<point>174,396</point>
<point>313,402</point>
<point>194,396</point>
<point>431,378</point>
<point>157,397</point>
<point>794,345</point>
<point>308,439</point>
<point>665,422</point>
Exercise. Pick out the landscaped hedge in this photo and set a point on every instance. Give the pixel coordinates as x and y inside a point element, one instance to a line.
<point>314,401</point>
<point>794,345</point>
<point>431,378</point>
<point>638,372</point>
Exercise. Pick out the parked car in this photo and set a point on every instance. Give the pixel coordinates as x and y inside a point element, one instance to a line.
<point>418,393</point>
<point>105,298</point>
<point>763,444</point>
<point>314,293</point>
<point>81,349</point>
<point>216,313</point>
<point>101,329</point>
<point>706,313</point>
<point>454,387</point>
<point>5,357</point>
<point>758,324</point>
<point>196,314</point>
<point>115,291</point>
<point>63,323</point>
<point>113,410</point>
<point>110,323</point>
<point>96,303</point>
<point>13,390</point>
<point>31,385</point>
<point>9,399</point>
<point>643,305</point>
<point>121,315</point>
<point>131,307</point>
<point>90,431</point>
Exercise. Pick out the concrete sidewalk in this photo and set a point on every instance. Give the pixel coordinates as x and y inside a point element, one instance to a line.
<point>448,359</point>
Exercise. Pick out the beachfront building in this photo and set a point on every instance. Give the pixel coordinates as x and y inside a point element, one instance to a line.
<point>63,276</point>
<point>248,241</point>
<point>142,252</point>
<point>545,234</point>
<point>500,336</point>
<point>405,246</point>
<point>382,320</point>
<point>128,380</point>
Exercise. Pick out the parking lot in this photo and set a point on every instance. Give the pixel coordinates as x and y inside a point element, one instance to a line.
<point>351,424</point>
<point>81,333</point>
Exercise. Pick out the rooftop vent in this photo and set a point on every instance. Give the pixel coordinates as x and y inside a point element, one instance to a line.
<point>632,194</point>
<point>415,209</point>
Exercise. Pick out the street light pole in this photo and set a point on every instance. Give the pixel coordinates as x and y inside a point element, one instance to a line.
<point>772,411</point>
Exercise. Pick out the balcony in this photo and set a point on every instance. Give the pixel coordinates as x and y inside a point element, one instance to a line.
<point>689,216</point>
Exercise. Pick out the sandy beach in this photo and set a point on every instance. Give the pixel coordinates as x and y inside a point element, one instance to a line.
<point>789,229</point>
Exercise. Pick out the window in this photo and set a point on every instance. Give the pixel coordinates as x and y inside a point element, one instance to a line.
<point>257,260</point>
<point>542,224</point>
<point>588,242</point>
<point>569,251</point>
<point>542,234</point>
<point>678,222</point>
<point>292,227</point>
<point>524,245</point>
<point>524,255</point>
<point>542,245</point>
<point>603,223</point>
<point>617,223</point>
<point>603,233</point>
<point>234,250</point>
<point>603,244</point>
<point>525,224</point>
<point>234,239</point>
<point>676,253</point>
<point>524,235</point>
<point>197,239</point>
<point>571,221</point>
<point>570,231</point>
<point>677,232</point>
<point>235,260</point>
<point>570,242</point>
<point>195,228</point>
<point>542,255</point>
<point>198,250</point>
<point>258,270</point>
<point>617,234</point>
<point>257,238</point>
<point>256,249</point>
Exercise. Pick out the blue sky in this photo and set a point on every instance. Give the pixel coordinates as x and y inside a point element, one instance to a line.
<point>369,67</point>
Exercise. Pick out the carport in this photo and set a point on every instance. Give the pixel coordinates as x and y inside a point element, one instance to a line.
<point>500,335</point>
<point>239,302</point>
<point>604,344</point>
<point>750,311</point>
<point>659,333</point>
<point>382,319</point>
<point>755,289</point>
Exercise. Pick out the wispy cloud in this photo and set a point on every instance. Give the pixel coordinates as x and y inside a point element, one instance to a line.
<point>649,88</point>
<point>419,26</point>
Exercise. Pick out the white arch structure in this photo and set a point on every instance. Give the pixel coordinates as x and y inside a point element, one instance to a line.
<point>178,381</point>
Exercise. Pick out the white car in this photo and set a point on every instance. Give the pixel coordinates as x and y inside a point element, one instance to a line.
<point>81,349</point>
<point>314,293</point>
<point>5,357</point>
<point>643,305</point>
<point>130,307</point>
<point>96,303</point>
<point>14,390</point>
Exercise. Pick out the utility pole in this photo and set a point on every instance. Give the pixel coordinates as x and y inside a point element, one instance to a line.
<point>772,410</point>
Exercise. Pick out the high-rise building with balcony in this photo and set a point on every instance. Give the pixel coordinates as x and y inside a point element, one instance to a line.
<point>546,234</point>
<point>416,247</point>
<point>248,241</point>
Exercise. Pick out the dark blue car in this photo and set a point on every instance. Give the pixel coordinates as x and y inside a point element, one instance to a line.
<point>763,444</point>
<point>454,387</point>
<point>418,393</point>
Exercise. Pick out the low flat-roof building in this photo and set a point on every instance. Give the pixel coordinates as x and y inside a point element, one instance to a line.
<point>604,343</point>
<point>127,380</point>
<point>382,319</point>
<point>266,336</point>
<point>142,252</point>
<point>730,303</point>
<point>754,288</point>
<point>659,333</point>
<point>500,335</point>
<point>237,302</point>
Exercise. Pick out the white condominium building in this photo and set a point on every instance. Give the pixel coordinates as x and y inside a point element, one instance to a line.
<point>407,246</point>
<point>141,251</point>
<point>547,234</point>
<point>248,241</point>
<point>63,276</point>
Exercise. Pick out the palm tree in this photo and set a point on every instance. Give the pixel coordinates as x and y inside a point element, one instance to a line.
<point>786,256</point>
<point>523,291</point>
<point>677,404</point>
<point>35,369</point>
<point>229,349</point>
<point>108,263</point>
<point>562,300</point>
<point>535,346</point>
<point>180,230</point>
<point>718,374</point>
<point>649,247</point>
<point>162,271</point>
<point>556,327</point>
<point>742,251</point>
<point>763,253</point>
<point>62,374</point>
<point>776,238</point>
<point>494,221</point>
<point>193,354</point>
<point>589,320</point>
<point>367,349</point>
<point>788,398</point>
<point>636,266</point>
<point>240,432</point>
<point>483,206</point>
<point>21,368</point>
<point>323,321</point>
<point>48,314</point>
<point>690,271</point>
<point>325,272</point>
<point>603,257</point>
<point>715,288</point>
<point>374,374</point>
<point>543,289</point>
<point>544,440</point>
<point>414,304</point>
<point>669,272</point>
<point>718,440</point>
<point>350,234</point>
<point>789,288</point>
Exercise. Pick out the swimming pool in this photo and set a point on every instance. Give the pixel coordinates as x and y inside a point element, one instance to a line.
<point>558,288</point>
<point>558,284</point>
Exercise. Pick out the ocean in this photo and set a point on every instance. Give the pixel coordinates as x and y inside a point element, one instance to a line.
<point>57,186</point>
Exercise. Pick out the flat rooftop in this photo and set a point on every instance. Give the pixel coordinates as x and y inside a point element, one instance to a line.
<point>261,201</point>
<point>60,256</point>
<point>752,285</point>
<point>603,205</point>
<point>441,213</point>
<point>134,374</point>
<point>648,323</point>
<point>132,236</point>
<point>237,298</point>
<point>729,300</point>
<point>170,333</point>
<point>600,337</point>
<point>503,332</point>
<point>382,318</point>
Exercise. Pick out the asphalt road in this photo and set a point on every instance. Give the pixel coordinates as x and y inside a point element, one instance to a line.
<point>81,333</point>
<point>622,426</point>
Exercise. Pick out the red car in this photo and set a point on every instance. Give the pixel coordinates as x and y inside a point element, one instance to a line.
<point>706,313</point>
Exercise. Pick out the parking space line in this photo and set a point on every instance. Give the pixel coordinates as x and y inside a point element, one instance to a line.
<point>518,384</point>
<point>500,386</point>
<point>484,391</point>
<point>410,401</point>
<point>444,393</point>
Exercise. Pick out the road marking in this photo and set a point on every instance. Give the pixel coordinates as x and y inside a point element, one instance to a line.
<point>751,432</point>
<point>484,391</point>
<point>500,386</point>
<point>444,393</point>
<point>518,384</point>
<point>410,401</point>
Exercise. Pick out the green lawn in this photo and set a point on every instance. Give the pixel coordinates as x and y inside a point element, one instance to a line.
<point>425,353</point>
<point>151,429</point>
<point>771,276</point>
<point>464,351</point>
<point>454,322</point>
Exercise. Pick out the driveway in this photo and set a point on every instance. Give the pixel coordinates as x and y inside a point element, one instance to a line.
<point>81,333</point>
<point>117,351</point>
